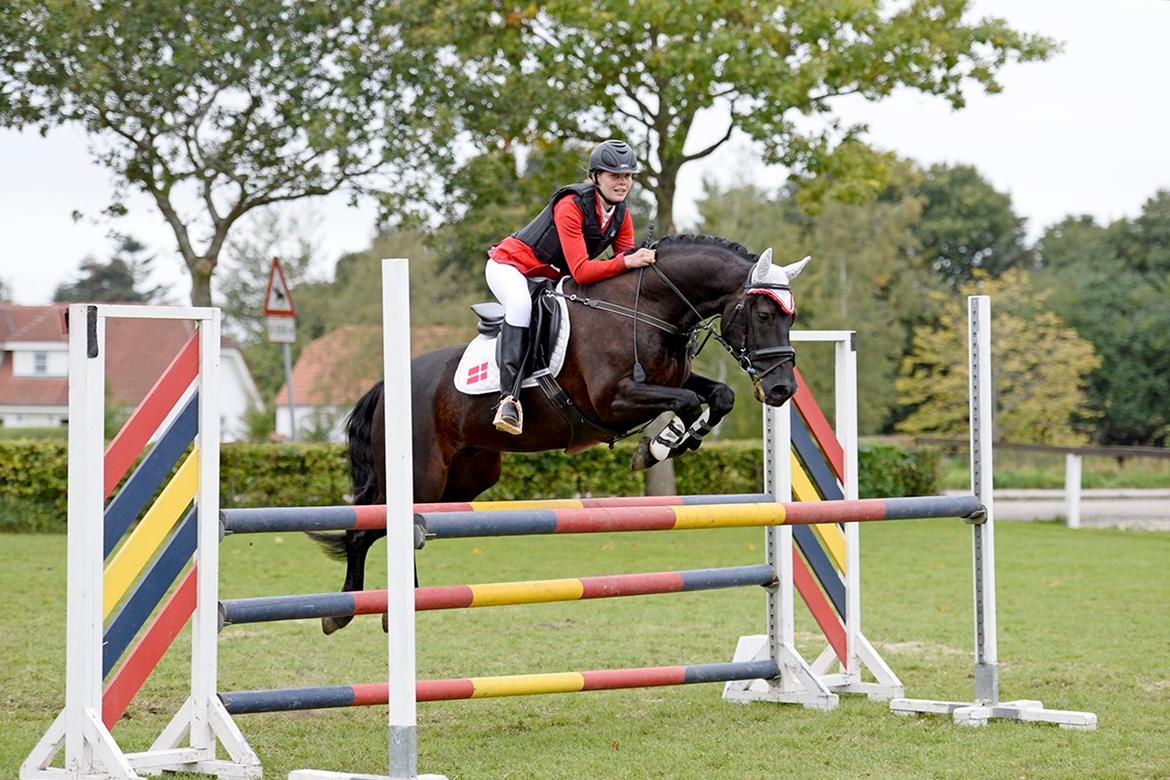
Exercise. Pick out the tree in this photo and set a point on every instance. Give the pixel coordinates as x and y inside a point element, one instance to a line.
<point>863,277</point>
<point>217,108</point>
<point>495,193</point>
<point>1040,368</point>
<point>652,71</point>
<point>1103,284</point>
<point>5,291</point>
<point>967,226</point>
<point>1143,244</point>
<point>117,281</point>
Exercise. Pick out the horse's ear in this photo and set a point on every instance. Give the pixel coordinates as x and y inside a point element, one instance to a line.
<point>793,270</point>
<point>763,265</point>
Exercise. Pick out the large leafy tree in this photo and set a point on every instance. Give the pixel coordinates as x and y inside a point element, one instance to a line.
<point>1040,368</point>
<point>864,277</point>
<point>968,226</point>
<point>1110,283</point>
<point>1143,243</point>
<point>216,108</point>
<point>651,71</point>
<point>495,193</point>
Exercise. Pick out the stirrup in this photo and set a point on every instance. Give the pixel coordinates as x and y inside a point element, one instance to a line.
<point>509,416</point>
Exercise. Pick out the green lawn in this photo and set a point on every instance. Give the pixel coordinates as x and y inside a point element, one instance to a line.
<point>1083,625</point>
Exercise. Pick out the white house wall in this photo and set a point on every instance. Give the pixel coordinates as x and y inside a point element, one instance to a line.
<point>33,416</point>
<point>24,362</point>
<point>237,394</point>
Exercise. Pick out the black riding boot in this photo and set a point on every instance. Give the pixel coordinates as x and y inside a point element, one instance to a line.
<point>511,350</point>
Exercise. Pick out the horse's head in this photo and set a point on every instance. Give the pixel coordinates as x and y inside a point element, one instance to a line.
<point>756,324</point>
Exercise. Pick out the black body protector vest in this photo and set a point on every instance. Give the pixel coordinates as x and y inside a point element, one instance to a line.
<point>541,233</point>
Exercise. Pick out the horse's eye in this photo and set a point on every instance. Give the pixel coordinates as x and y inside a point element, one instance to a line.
<point>763,315</point>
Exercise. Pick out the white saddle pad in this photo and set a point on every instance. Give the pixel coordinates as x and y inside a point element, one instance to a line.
<point>478,373</point>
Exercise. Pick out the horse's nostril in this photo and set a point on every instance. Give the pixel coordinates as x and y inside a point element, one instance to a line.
<point>782,392</point>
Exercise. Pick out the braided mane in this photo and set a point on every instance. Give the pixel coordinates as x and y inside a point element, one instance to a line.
<point>723,243</point>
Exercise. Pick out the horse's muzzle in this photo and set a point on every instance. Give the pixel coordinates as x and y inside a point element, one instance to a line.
<point>774,393</point>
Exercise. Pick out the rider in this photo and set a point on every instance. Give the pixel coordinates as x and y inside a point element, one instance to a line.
<point>579,223</point>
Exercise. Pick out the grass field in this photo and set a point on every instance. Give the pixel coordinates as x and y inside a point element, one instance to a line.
<point>1083,625</point>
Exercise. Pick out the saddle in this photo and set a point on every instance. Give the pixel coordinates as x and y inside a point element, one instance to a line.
<point>478,373</point>
<point>546,323</point>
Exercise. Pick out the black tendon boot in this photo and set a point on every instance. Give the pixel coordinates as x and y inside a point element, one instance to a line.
<point>511,350</point>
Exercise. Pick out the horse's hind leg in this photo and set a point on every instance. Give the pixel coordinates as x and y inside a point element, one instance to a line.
<point>471,472</point>
<point>357,545</point>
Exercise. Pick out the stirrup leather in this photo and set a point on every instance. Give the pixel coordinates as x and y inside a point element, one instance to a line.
<point>509,416</point>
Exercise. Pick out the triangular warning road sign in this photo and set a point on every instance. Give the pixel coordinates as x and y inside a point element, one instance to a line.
<point>278,300</point>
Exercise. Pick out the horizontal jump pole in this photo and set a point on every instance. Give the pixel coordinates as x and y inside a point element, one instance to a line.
<point>523,522</point>
<point>372,694</point>
<point>493,594</point>
<point>373,516</point>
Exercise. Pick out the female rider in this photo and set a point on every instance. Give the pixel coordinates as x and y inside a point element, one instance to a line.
<point>579,223</point>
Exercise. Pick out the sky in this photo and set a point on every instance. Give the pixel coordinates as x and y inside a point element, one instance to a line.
<point>1087,132</point>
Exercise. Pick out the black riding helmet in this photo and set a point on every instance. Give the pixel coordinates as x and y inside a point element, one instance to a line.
<point>614,156</point>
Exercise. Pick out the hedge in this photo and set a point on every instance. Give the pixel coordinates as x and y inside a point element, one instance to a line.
<point>33,476</point>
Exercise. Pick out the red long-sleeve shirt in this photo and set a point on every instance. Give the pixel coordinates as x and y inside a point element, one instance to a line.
<point>568,220</point>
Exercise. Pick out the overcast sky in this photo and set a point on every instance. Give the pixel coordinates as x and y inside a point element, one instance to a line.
<point>1087,132</point>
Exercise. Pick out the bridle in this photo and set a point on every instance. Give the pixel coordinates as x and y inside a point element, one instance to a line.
<point>747,357</point>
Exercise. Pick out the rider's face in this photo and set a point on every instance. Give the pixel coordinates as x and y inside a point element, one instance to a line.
<point>614,186</point>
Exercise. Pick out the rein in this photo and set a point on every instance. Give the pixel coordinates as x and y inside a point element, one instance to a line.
<point>744,356</point>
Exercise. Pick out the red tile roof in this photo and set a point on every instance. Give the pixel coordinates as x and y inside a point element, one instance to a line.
<point>336,369</point>
<point>30,323</point>
<point>137,352</point>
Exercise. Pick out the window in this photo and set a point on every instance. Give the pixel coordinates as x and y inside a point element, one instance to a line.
<point>40,363</point>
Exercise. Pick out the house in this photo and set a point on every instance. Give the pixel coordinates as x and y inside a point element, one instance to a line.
<point>34,368</point>
<point>334,371</point>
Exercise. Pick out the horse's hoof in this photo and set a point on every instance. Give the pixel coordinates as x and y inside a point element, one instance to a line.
<point>642,459</point>
<point>331,624</point>
<point>385,623</point>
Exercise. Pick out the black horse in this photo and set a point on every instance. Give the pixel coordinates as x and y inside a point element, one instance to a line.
<point>457,451</point>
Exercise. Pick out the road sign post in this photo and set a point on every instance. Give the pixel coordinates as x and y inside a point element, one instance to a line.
<point>281,318</point>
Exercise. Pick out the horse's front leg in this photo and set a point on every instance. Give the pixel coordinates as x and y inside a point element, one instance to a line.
<point>719,399</point>
<point>679,436</point>
<point>646,400</point>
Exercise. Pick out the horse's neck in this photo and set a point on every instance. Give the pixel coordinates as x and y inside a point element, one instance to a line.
<point>708,281</point>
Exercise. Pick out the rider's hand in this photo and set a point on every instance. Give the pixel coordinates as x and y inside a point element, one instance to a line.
<point>640,258</point>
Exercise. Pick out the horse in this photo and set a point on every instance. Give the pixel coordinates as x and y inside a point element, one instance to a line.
<point>628,361</point>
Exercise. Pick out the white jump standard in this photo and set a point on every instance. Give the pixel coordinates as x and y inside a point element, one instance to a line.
<point>986,704</point>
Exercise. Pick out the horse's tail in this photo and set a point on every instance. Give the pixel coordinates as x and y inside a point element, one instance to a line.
<point>358,426</point>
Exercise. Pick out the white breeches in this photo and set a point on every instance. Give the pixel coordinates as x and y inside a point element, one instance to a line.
<point>511,289</point>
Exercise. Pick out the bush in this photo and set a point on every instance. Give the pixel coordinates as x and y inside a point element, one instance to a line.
<point>889,470</point>
<point>34,481</point>
<point>33,476</point>
<point>60,433</point>
<point>289,474</point>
